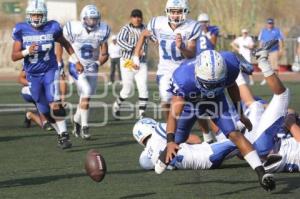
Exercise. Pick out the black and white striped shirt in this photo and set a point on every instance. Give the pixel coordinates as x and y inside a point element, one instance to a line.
<point>128,38</point>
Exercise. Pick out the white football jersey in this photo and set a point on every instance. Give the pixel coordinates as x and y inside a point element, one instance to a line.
<point>188,156</point>
<point>86,45</point>
<point>290,151</point>
<point>169,55</point>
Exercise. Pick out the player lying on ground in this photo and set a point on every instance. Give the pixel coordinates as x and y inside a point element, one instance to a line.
<point>38,117</point>
<point>204,95</point>
<point>89,40</point>
<point>34,42</point>
<point>152,135</point>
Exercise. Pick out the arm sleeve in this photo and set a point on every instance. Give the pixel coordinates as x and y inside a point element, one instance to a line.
<point>108,31</point>
<point>17,34</point>
<point>122,39</point>
<point>195,32</point>
<point>58,32</point>
<point>67,31</point>
<point>151,27</point>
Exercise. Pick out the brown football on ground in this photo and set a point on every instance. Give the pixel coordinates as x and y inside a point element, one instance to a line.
<point>95,166</point>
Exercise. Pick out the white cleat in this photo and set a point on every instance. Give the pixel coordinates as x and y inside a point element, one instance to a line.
<point>160,167</point>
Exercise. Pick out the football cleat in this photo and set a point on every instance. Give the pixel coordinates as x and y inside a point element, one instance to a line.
<point>64,141</point>
<point>27,122</point>
<point>116,111</point>
<point>266,47</point>
<point>84,133</point>
<point>245,66</point>
<point>47,126</point>
<point>160,167</point>
<point>76,129</point>
<point>267,182</point>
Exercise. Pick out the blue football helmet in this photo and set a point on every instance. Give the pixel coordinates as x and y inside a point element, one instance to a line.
<point>211,73</point>
<point>36,7</point>
<point>90,17</point>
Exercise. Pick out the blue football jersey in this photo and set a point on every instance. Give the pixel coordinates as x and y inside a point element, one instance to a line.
<point>183,81</point>
<point>204,43</point>
<point>45,38</point>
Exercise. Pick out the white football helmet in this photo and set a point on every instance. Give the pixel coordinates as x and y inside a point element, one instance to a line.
<point>211,73</point>
<point>142,129</point>
<point>181,5</point>
<point>90,17</point>
<point>203,17</point>
<point>36,7</point>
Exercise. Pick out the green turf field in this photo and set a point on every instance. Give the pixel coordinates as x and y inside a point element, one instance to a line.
<point>31,166</point>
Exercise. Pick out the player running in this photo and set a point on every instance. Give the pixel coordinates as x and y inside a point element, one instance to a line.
<point>38,117</point>
<point>34,42</point>
<point>89,40</point>
<point>209,34</point>
<point>176,36</point>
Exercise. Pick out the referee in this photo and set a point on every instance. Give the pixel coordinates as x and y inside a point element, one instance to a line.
<point>127,40</point>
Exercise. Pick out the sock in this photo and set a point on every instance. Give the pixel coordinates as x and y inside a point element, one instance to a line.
<point>77,115</point>
<point>84,113</point>
<point>220,136</point>
<point>28,115</point>
<point>62,127</point>
<point>44,122</point>
<point>120,100</point>
<point>142,105</point>
<point>253,159</point>
<point>208,137</point>
<point>54,125</point>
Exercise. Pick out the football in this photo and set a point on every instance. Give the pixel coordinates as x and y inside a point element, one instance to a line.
<point>95,166</point>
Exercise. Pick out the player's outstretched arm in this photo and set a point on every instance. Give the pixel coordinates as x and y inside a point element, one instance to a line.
<point>234,94</point>
<point>139,46</point>
<point>176,108</point>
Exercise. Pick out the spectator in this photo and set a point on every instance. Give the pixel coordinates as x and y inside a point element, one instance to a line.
<point>243,45</point>
<point>270,32</point>
<point>296,64</point>
<point>115,55</point>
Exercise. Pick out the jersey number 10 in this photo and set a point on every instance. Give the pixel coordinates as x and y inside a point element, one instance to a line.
<point>173,54</point>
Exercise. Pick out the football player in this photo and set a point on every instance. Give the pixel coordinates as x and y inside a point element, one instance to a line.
<point>34,43</point>
<point>209,34</point>
<point>89,40</point>
<point>38,118</point>
<point>152,135</point>
<point>204,95</point>
<point>176,36</point>
<point>287,156</point>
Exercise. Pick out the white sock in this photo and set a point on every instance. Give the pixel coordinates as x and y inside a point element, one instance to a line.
<point>62,127</point>
<point>208,137</point>
<point>77,115</point>
<point>84,113</point>
<point>54,125</point>
<point>253,159</point>
<point>220,136</point>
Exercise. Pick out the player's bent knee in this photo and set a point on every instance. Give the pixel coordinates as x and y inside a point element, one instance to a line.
<point>60,112</point>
